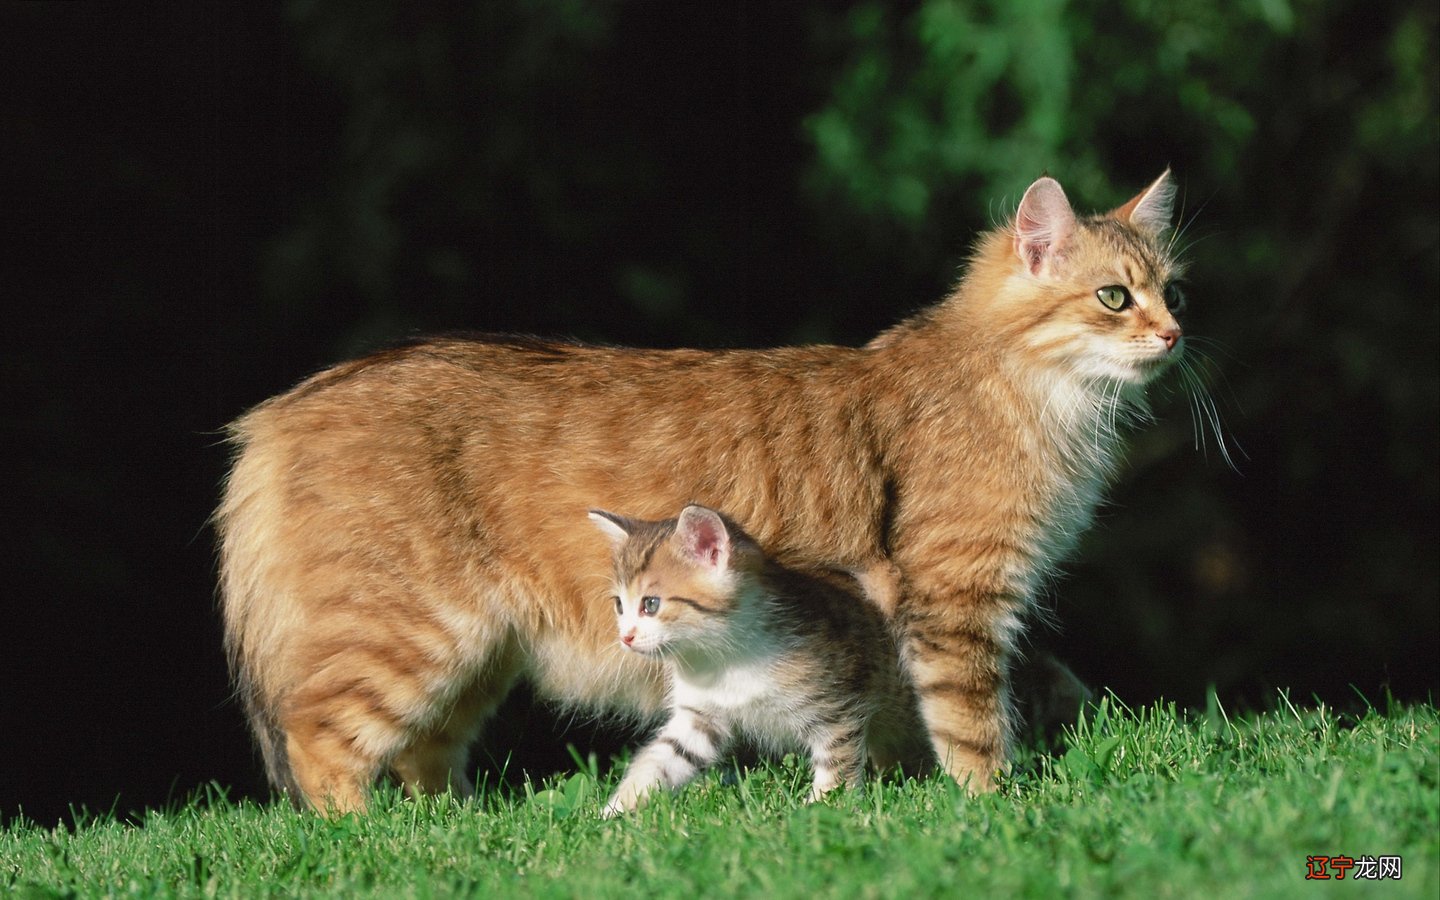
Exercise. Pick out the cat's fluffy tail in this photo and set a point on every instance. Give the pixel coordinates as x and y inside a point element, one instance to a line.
<point>270,738</point>
<point>244,523</point>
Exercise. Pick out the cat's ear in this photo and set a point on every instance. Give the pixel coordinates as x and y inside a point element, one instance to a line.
<point>1151,210</point>
<point>1042,223</point>
<point>703,537</point>
<point>616,528</point>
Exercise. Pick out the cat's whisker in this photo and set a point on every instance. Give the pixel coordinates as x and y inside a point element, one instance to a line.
<point>1099,418</point>
<point>1193,406</point>
<point>1112,407</point>
<point>1101,422</point>
<point>1214,372</point>
<point>1206,412</point>
<point>1220,440</point>
<point>1192,243</point>
<point>1179,232</point>
<point>1116,414</point>
<point>1045,407</point>
<point>1187,379</point>
<point>1201,346</point>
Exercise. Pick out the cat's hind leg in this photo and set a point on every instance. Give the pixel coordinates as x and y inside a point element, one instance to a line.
<point>371,695</point>
<point>438,759</point>
<point>335,749</point>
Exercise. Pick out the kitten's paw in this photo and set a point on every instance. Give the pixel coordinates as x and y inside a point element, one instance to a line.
<point>819,792</point>
<point>620,804</point>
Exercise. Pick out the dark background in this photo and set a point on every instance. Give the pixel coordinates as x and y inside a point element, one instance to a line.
<point>204,203</point>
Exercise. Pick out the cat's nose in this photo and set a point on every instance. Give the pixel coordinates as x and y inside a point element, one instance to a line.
<point>1170,336</point>
<point>628,638</point>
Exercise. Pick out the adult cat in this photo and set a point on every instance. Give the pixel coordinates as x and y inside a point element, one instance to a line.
<point>402,536</point>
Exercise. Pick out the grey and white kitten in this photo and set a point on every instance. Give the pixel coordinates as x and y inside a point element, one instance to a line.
<point>788,659</point>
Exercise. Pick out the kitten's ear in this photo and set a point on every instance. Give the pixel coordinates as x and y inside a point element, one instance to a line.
<point>616,528</point>
<point>1151,209</point>
<point>1042,223</point>
<point>703,537</point>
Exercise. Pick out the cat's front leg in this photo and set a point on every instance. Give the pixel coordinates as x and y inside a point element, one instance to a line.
<point>686,745</point>
<point>958,658</point>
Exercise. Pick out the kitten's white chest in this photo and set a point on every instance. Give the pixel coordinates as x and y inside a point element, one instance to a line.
<point>731,690</point>
<point>751,700</point>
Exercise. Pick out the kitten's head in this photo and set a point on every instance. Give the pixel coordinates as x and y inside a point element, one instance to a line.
<point>678,582</point>
<point>1096,297</point>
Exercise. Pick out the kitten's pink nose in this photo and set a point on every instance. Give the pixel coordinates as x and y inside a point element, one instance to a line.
<point>1169,336</point>
<point>628,638</point>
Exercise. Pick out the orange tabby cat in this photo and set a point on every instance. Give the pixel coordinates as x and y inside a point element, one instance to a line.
<point>402,536</point>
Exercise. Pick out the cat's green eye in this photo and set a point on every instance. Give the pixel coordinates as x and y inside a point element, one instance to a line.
<point>649,605</point>
<point>1114,297</point>
<point>1175,297</point>
<point>619,607</point>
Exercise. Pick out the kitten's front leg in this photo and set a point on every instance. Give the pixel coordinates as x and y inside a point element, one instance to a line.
<point>838,756</point>
<point>958,659</point>
<point>687,744</point>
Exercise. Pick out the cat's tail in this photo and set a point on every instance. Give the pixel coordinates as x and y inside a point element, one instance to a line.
<point>270,738</point>
<point>245,525</point>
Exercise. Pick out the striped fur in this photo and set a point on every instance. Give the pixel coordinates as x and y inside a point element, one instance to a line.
<point>401,541</point>
<point>786,659</point>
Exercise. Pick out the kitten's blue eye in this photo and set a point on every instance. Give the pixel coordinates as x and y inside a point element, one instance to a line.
<point>1175,297</point>
<point>619,607</point>
<point>650,605</point>
<point>1114,297</point>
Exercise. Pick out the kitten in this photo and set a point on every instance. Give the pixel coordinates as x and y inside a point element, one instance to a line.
<point>786,659</point>
<point>398,534</point>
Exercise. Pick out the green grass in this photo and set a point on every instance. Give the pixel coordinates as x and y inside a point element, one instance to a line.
<point>1142,803</point>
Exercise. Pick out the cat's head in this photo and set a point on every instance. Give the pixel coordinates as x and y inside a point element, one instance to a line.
<point>1095,297</point>
<point>677,582</point>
